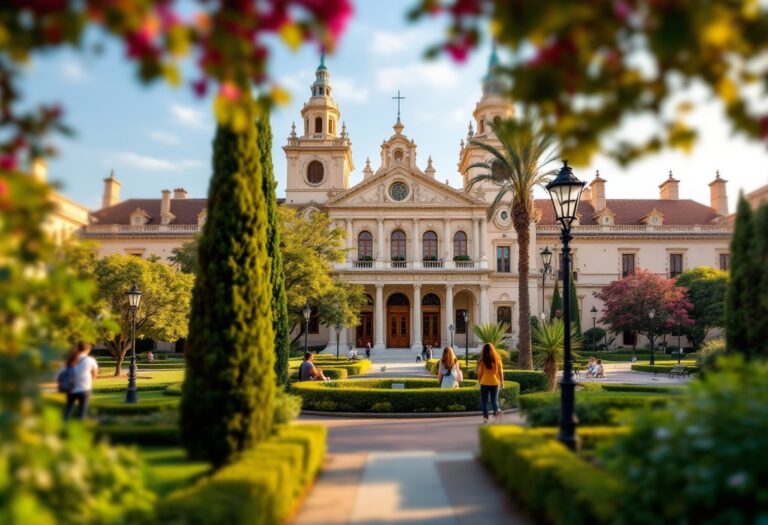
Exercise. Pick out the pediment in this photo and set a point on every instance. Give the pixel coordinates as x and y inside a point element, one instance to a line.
<point>422,191</point>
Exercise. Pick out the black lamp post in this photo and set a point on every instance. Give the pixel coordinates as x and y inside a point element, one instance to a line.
<point>546,260</point>
<point>338,334</point>
<point>679,346</point>
<point>594,324</point>
<point>134,299</point>
<point>307,311</point>
<point>565,192</point>
<point>651,315</point>
<point>450,329</point>
<point>466,338</point>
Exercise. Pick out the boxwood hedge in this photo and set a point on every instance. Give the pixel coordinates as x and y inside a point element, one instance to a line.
<point>551,482</point>
<point>592,408</point>
<point>529,380</point>
<point>662,369</point>
<point>330,373</point>
<point>262,486</point>
<point>377,395</point>
<point>353,368</point>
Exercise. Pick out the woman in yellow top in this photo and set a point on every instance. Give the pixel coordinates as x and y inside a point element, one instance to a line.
<point>490,375</point>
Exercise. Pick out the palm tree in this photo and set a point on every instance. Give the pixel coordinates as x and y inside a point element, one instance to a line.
<point>517,168</point>
<point>548,339</point>
<point>494,333</point>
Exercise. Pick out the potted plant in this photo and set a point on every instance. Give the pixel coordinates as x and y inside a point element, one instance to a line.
<point>461,258</point>
<point>365,258</point>
<point>398,258</point>
<point>430,258</point>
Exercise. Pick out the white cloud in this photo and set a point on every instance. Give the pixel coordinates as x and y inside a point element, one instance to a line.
<point>145,162</point>
<point>432,75</point>
<point>348,90</point>
<point>386,43</point>
<point>72,71</point>
<point>189,116</point>
<point>164,137</point>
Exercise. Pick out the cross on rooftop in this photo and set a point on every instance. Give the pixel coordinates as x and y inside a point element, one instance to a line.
<point>398,98</point>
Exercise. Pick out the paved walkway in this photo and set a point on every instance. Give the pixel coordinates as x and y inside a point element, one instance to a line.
<point>622,373</point>
<point>405,472</point>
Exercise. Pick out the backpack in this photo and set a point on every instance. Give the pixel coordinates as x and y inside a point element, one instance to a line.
<point>66,380</point>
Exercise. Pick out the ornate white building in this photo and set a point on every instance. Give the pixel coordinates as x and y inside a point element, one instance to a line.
<point>427,253</point>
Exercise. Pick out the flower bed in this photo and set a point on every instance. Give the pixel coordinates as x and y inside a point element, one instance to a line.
<point>377,395</point>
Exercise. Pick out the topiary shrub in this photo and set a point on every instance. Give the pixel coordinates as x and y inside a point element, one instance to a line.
<point>287,407</point>
<point>709,354</point>
<point>706,448</point>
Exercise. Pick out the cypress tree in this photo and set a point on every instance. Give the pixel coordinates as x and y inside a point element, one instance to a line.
<point>759,324</point>
<point>575,312</point>
<point>229,385</point>
<point>280,324</point>
<point>740,298</point>
<point>557,302</point>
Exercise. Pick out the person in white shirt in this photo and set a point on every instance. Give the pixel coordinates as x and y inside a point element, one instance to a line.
<point>83,369</point>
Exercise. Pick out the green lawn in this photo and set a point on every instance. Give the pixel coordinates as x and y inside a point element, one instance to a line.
<point>168,469</point>
<point>144,377</point>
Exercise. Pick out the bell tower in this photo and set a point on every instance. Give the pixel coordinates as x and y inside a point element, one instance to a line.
<point>492,107</point>
<point>320,158</point>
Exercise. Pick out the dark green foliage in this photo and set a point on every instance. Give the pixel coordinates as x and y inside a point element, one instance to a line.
<point>706,290</point>
<point>551,482</point>
<point>592,408</point>
<point>419,395</point>
<point>229,386</point>
<point>575,312</point>
<point>529,380</point>
<point>759,332</point>
<point>662,369</point>
<point>700,460</point>
<point>595,334</point>
<point>159,434</point>
<point>280,323</point>
<point>261,486</point>
<point>741,299</point>
<point>557,302</point>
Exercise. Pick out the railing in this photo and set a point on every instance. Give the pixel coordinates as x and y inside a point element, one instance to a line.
<point>464,265</point>
<point>639,228</point>
<point>432,265</point>
<point>362,264</point>
<point>142,228</point>
<point>398,265</point>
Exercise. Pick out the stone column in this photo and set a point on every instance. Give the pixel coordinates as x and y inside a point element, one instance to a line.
<point>447,240</point>
<point>380,243</point>
<point>349,241</point>
<point>378,326</point>
<point>484,306</point>
<point>416,244</point>
<point>449,314</point>
<point>416,324</point>
<point>476,240</point>
<point>483,239</point>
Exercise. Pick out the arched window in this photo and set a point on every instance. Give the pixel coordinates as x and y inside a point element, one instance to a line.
<point>365,246</point>
<point>497,170</point>
<point>504,316</point>
<point>496,122</point>
<point>429,241</point>
<point>315,172</point>
<point>398,245</point>
<point>319,125</point>
<point>430,300</point>
<point>459,244</point>
<point>398,155</point>
<point>398,299</point>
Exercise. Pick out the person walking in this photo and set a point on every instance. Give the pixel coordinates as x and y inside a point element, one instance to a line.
<point>490,375</point>
<point>448,370</point>
<point>76,379</point>
<point>368,350</point>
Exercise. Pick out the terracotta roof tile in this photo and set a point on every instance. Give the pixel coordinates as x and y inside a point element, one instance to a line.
<point>630,211</point>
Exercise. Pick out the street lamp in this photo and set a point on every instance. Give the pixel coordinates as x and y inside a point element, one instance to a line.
<point>594,323</point>
<point>546,260</point>
<point>307,311</point>
<point>466,338</point>
<point>565,192</point>
<point>450,329</point>
<point>338,334</point>
<point>679,346</point>
<point>134,299</point>
<point>651,315</point>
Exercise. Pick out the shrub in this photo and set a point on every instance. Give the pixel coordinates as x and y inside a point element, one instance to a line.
<point>419,395</point>
<point>529,380</point>
<point>592,408</point>
<point>331,373</point>
<point>597,333</point>
<point>151,435</point>
<point>386,406</point>
<point>287,407</point>
<point>115,405</point>
<point>549,480</point>
<point>709,354</point>
<point>262,485</point>
<point>661,369</point>
<point>353,368</point>
<point>707,448</point>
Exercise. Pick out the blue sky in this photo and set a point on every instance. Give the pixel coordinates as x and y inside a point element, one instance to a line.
<point>157,137</point>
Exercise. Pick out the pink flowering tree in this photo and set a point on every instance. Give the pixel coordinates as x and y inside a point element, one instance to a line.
<point>628,301</point>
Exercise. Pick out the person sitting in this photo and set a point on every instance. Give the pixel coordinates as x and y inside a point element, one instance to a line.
<point>308,371</point>
<point>591,366</point>
<point>150,356</point>
<point>352,354</point>
<point>599,370</point>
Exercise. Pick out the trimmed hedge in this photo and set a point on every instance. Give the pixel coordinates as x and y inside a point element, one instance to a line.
<point>529,380</point>
<point>377,395</point>
<point>152,435</point>
<point>353,368</point>
<point>331,373</point>
<point>662,369</point>
<point>262,486</point>
<point>648,389</point>
<point>545,477</point>
<point>592,407</point>
<point>117,407</point>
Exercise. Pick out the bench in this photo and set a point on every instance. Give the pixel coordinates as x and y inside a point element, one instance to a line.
<point>680,371</point>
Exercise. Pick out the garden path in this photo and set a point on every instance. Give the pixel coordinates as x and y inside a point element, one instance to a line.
<point>622,373</point>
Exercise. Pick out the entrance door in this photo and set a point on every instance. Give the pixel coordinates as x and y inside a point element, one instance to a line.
<point>430,322</point>
<point>365,329</point>
<point>398,333</point>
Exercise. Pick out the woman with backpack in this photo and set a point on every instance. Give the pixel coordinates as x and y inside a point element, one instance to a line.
<point>490,375</point>
<point>76,380</point>
<point>448,370</point>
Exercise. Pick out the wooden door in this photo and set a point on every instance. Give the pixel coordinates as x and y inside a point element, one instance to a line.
<point>365,329</point>
<point>398,327</point>
<point>430,323</point>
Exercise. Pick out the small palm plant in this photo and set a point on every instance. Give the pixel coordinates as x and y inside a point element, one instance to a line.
<point>494,333</point>
<point>547,344</point>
